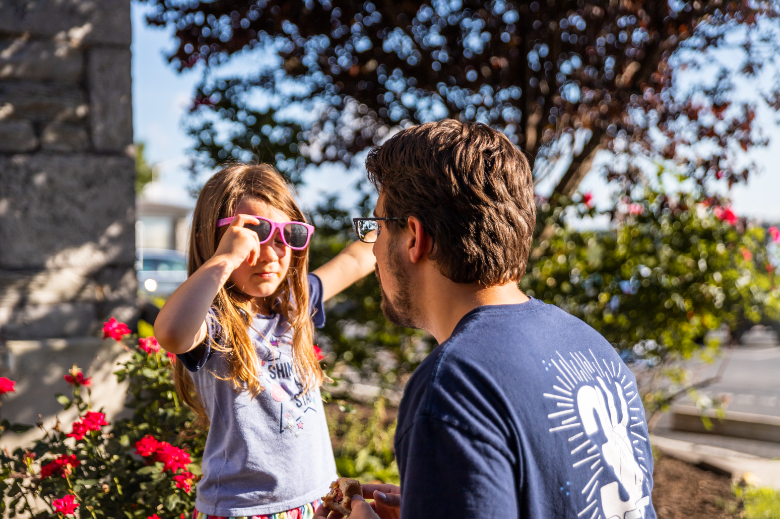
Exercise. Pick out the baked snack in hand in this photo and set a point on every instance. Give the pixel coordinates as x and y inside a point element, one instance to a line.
<point>339,499</point>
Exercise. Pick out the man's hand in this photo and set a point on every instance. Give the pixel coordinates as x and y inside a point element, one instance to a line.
<point>386,505</point>
<point>387,500</point>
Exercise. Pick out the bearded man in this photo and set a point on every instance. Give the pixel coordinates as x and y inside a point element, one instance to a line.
<point>522,410</point>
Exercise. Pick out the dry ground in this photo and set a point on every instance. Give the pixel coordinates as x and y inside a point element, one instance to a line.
<point>684,491</point>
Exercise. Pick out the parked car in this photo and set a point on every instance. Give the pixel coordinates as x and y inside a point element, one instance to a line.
<point>160,271</point>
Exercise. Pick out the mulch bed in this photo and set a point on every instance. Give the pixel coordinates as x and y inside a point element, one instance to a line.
<point>683,491</point>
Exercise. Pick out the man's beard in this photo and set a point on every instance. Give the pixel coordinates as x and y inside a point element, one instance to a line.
<point>401,311</point>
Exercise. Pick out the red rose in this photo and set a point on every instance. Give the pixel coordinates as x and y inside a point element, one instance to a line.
<point>154,516</point>
<point>774,233</point>
<point>725,214</point>
<point>79,431</point>
<point>173,458</point>
<point>6,386</point>
<point>146,446</point>
<point>94,420</point>
<point>89,422</point>
<point>587,199</point>
<point>76,378</point>
<point>318,353</point>
<point>171,357</point>
<point>184,480</point>
<point>62,464</point>
<point>67,505</point>
<point>115,329</point>
<point>149,345</point>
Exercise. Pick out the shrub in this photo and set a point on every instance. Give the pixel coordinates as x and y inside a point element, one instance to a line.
<point>136,468</point>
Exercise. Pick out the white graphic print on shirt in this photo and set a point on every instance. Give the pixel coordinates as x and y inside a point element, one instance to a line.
<point>585,393</point>
<point>279,379</point>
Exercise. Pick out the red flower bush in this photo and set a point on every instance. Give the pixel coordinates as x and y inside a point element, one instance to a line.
<point>89,422</point>
<point>184,480</point>
<point>67,505</point>
<point>76,378</point>
<point>6,386</point>
<point>62,465</point>
<point>149,345</point>
<point>115,329</point>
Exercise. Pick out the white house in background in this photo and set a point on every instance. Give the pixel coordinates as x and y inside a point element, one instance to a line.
<point>162,226</point>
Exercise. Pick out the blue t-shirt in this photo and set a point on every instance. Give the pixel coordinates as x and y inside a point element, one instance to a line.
<point>270,453</point>
<point>525,411</point>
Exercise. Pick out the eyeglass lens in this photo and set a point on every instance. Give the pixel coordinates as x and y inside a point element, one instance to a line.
<point>296,235</point>
<point>263,229</point>
<point>366,226</point>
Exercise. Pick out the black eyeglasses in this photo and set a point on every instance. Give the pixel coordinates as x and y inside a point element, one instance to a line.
<point>365,226</point>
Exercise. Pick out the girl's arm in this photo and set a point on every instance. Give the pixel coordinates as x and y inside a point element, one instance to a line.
<point>181,324</point>
<point>353,263</point>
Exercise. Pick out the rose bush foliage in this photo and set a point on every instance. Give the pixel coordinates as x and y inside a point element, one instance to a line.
<point>136,468</point>
<point>672,269</point>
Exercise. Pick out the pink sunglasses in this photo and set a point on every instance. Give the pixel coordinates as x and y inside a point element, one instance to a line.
<point>295,235</point>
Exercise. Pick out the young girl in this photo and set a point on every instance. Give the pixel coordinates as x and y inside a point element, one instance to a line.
<point>242,327</point>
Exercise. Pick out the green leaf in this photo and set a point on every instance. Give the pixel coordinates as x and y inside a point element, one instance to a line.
<point>150,469</point>
<point>171,501</point>
<point>65,401</point>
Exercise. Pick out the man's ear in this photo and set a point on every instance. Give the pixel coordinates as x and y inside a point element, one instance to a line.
<point>419,241</point>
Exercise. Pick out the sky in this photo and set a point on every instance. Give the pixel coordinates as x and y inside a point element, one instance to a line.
<point>161,97</point>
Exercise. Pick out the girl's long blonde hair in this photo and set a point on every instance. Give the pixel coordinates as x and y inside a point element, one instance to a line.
<point>218,199</point>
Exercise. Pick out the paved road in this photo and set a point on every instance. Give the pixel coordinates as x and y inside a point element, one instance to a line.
<point>752,379</point>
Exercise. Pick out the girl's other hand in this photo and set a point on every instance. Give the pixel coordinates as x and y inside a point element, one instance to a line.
<point>240,244</point>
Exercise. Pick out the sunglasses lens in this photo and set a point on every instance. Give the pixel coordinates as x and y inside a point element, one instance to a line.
<point>263,229</point>
<point>296,235</point>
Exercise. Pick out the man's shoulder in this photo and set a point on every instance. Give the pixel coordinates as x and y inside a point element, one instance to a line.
<point>516,331</point>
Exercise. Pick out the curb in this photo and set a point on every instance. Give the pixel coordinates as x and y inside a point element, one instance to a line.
<point>753,470</point>
<point>735,424</point>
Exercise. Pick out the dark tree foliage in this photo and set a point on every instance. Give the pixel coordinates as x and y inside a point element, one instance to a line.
<point>535,70</point>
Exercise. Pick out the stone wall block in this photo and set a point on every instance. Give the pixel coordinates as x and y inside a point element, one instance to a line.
<point>110,86</point>
<point>88,21</point>
<point>58,320</point>
<point>67,137</point>
<point>66,210</point>
<point>41,60</point>
<point>42,102</point>
<point>17,137</point>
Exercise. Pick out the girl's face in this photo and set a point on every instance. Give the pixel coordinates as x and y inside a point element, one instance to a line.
<point>262,280</point>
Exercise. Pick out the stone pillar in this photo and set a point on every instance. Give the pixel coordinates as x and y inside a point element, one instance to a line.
<point>66,167</point>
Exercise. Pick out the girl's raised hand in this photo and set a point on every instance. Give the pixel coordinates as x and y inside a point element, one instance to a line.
<point>239,243</point>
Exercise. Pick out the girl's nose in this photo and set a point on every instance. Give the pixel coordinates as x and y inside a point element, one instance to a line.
<point>273,249</point>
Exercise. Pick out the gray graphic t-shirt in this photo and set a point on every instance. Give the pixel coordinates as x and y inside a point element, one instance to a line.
<point>269,453</point>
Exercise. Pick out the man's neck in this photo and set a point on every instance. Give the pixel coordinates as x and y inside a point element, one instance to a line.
<point>446,303</point>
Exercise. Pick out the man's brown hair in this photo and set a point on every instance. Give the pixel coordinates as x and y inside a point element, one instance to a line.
<point>471,189</point>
